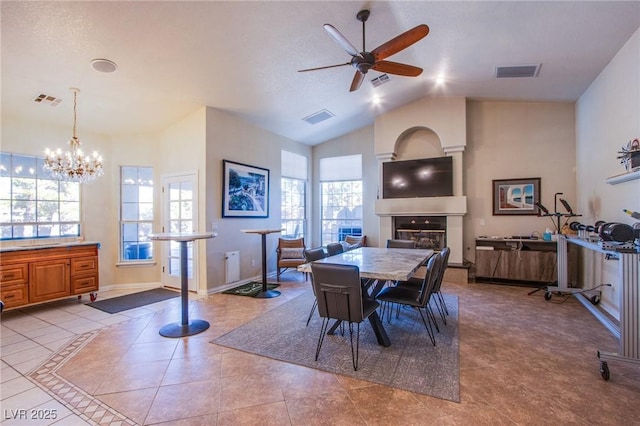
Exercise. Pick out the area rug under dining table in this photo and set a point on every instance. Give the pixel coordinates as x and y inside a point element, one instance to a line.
<point>411,363</point>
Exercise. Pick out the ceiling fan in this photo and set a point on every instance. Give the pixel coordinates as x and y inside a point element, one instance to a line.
<point>364,61</point>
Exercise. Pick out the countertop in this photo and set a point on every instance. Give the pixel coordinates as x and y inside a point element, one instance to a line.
<point>43,245</point>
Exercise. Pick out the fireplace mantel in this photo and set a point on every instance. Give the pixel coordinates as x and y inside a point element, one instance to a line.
<point>425,206</point>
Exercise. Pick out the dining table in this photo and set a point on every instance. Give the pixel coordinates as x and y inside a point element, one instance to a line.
<point>377,265</point>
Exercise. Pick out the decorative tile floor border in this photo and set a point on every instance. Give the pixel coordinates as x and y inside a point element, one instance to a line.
<point>87,407</point>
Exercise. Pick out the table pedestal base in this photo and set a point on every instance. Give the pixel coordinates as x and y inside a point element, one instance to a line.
<point>267,294</point>
<point>176,329</point>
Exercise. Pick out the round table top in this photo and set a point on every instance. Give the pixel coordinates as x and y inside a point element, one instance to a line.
<point>261,231</point>
<point>182,236</point>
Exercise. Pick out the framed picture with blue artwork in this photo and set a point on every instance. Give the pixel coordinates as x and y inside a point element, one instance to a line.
<point>516,196</point>
<point>245,190</point>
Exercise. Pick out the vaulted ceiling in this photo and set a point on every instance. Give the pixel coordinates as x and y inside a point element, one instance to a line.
<point>243,57</point>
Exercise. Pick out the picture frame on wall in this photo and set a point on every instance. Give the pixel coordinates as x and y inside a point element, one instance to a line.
<point>516,196</point>
<point>245,190</point>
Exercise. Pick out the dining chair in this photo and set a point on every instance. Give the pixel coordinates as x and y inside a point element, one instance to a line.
<point>410,244</point>
<point>415,298</point>
<point>415,282</point>
<point>442,306</point>
<point>334,248</point>
<point>339,295</point>
<point>311,255</point>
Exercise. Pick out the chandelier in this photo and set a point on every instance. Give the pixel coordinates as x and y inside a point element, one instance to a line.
<point>73,165</point>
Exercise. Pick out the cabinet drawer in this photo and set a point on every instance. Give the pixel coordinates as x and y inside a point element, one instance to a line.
<point>14,296</point>
<point>84,284</point>
<point>84,265</point>
<point>13,274</point>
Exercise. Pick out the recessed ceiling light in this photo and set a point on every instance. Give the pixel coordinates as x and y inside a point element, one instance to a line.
<point>104,65</point>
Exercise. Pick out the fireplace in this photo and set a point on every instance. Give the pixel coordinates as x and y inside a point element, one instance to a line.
<point>429,232</point>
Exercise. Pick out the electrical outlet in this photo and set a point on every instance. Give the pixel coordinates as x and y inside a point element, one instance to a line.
<point>482,222</point>
<point>253,263</point>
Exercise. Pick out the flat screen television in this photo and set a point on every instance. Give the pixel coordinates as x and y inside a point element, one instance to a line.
<point>426,177</point>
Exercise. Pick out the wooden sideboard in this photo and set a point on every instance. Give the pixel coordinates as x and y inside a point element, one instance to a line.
<point>518,260</point>
<point>40,274</point>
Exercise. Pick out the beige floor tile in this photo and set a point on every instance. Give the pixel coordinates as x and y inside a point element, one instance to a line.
<point>185,400</point>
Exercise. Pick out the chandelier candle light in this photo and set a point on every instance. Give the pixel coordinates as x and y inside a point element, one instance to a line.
<point>73,165</point>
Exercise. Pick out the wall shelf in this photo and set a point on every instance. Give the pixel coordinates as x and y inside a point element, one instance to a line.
<point>614,180</point>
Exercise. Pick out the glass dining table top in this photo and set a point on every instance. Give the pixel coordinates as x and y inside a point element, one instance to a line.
<point>391,264</point>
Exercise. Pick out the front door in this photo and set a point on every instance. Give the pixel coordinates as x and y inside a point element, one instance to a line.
<point>180,211</point>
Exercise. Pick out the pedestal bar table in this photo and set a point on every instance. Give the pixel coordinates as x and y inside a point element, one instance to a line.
<point>185,327</point>
<point>265,293</point>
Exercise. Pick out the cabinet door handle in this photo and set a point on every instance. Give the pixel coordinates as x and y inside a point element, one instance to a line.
<point>8,276</point>
<point>10,296</point>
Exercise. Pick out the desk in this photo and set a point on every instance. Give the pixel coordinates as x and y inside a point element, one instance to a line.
<point>185,327</point>
<point>383,264</point>
<point>265,293</point>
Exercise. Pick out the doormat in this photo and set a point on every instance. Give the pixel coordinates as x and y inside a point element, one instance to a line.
<point>250,289</point>
<point>134,300</point>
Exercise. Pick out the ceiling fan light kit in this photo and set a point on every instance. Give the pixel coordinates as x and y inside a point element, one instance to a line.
<point>365,61</point>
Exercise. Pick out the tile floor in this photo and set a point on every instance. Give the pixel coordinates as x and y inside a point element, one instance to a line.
<point>523,361</point>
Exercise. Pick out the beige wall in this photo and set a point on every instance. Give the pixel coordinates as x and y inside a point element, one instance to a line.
<point>358,142</point>
<point>509,140</point>
<point>230,138</point>
<point>607,117</point>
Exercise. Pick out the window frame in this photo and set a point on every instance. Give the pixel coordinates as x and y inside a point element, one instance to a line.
<point>142,244</point>
<point>32,196</point>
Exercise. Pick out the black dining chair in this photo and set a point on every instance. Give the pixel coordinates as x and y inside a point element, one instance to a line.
<point>334,248</point>
<point>416,298</point>
<point>438,300</point>
<point>410,244</point>
<point>310,255</point>
<point>339,295</point>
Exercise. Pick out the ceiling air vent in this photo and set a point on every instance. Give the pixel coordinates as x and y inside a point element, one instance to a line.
<point>380,80</point>
<point>518,71</point>
<point>47,99</point>
<point>319,116</point>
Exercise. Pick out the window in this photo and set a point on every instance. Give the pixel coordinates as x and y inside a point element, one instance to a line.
<point>293,194</point>
<point>136,213</point>
<point>34,205</point>
<point>341,188</point>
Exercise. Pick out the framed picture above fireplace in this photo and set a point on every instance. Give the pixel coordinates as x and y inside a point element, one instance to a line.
<point>516,196</point>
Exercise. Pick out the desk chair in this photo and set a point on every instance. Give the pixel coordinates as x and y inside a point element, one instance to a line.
<point>339,295</point>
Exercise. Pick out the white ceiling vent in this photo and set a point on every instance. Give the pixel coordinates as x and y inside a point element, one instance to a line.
<point>47,100</point>
<point>319,116</point>
<point>518,71</point>
<point>379,81</point>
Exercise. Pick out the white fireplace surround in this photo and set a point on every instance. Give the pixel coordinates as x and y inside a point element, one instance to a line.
<point>446,118</point>
<point>454,208</point>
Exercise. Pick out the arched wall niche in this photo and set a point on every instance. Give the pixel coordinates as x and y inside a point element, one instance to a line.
<point>429,127</point>
<point>418,142</point>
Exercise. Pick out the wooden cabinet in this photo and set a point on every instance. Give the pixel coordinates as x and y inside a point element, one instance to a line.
<point>533,261</point>
<point>37,275</point>
<point>49,279</point>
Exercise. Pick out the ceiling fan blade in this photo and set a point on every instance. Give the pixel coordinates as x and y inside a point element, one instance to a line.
<point>400,42</point>
<point>341,40</point>
<point>323,68</point>
<point>397,68</point>
<point>357,81</point>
